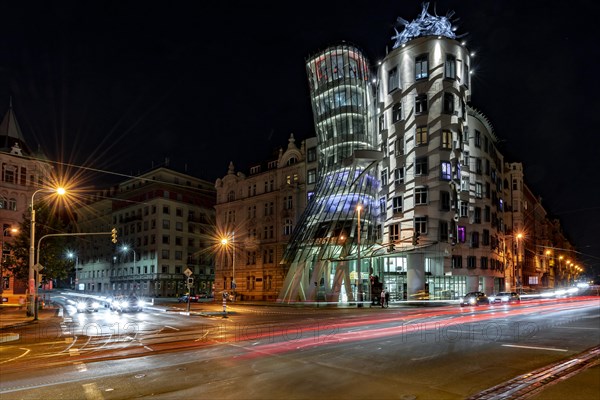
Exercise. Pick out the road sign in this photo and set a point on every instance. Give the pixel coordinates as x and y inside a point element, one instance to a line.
<point>188,272</point>
<point>38,267</point>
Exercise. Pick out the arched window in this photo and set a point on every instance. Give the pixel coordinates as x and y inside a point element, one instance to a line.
<point>292,161</point>
<point>231,196</point>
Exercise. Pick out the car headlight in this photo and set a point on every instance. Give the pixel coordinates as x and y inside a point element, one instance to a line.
<point>504,298</point>
<point>140,303</point>
<point>472,300</point>
<point>95,304</point>
<point>492,298</point>
<point>462,299</point>
<point>81,306</point>
<point>124,304</point>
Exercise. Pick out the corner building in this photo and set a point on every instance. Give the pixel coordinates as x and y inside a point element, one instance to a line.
<point>427,175</point>
<point>441,177</point>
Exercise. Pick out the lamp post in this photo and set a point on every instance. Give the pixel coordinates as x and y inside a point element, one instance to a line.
<point>126,249</point>
<point>71,255</point>
<point>32,311</point>
<point>358,266</point>
<point>11,230</point>
<point>225,241</point>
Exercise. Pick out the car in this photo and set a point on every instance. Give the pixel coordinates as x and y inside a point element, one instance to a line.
<point>473,299</point>
<point>185,297</point>
<point>505,297</point>
<point>88,305</point>
<point>127,304</point>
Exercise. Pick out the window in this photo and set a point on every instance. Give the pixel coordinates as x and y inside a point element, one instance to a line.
<point>443,231</point>
<point>421,135</point>
<point>287,227</point>
<point>397,204</point>
<point>444,201</point>
<point>179,226</point>
<point>464,208</point>
<point>394,232</point>
<point>484,262</point>
<point>399,146</point>
<point>384,177</point>
<point>475,239</point>
<point>311,154</point>
<point>447,139</point>
<point>421,67</point>
<point>165,239</point>
<point>179,212</point>
<point>478,166</point>
<point>478,190</point>
<point>456,261</point>
<point>421,104</point>
<point>471,262</point>
<point>288,203</point>
<point>179,255</point>
<point>269,207</point>
<point>445,171</point>
<point>312,176</point>
<point>421,225</point>
<point>450,67</point>
<point>448,103</point>
<point>421,166</point>
<point>399,175</point>
<point>393,80</point>
<point>382,124</point>
<point>464,184</point>
<point>461,231</point>
<point>485,238</point>
<point>165,254</point>
<point>397,112</point>
<point>487,214</point>
<point>477,215</point>
<point>477,138</point>
<point>420,195</point>
<point>166,210</point>
<point>166,224</point>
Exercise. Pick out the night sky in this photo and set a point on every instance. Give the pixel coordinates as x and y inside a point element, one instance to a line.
<point>119,86</point>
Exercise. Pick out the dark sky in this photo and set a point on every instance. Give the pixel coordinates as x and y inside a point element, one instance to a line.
<point>120,85</point>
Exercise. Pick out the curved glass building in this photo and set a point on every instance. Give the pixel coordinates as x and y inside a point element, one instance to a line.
<point>323,255</point>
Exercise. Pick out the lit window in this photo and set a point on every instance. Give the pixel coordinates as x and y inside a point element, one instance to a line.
<point>445,171</point>
<point>446,139</point>
<point>421,67</point>
<point>421,135</point>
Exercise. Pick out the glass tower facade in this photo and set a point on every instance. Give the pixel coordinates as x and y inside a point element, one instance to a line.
<point>323,255</point>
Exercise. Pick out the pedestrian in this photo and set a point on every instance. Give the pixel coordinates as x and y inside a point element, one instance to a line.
<point>382,298</point>
<point>387,298</point>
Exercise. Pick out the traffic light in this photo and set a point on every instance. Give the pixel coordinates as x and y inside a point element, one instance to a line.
<point>114,235</point>
<point>190,281</point>
<point>415,240</point>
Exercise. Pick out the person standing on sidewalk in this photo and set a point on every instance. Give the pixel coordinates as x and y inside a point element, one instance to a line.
<point>387,298</point>
<point>382,297</point>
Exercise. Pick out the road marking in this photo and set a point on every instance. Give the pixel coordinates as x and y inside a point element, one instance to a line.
<point>534,347</point>
<point>170,327</point>
<point>92,392</point>
<point>15,358</point>
<point>576,327</point>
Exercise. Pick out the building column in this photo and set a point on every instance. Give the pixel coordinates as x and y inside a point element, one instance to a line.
<point>488,285</point>
<point>472,283</point>
<point>415,273</point>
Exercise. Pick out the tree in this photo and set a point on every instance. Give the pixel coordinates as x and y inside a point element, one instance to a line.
<point>51,256</point>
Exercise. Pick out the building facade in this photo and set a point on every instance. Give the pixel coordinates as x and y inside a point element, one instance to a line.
<point>23,172</point>
<point>164,221</point>
<point>256,214</point>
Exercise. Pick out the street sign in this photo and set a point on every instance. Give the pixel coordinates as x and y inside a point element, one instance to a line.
<point>188,272</point>
<point>38,267</point>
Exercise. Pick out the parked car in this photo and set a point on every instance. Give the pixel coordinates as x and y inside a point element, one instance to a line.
<point>87,305</point>
<point>473,299</point>
<point>126,304</point>
<point>192,298</point>
<point>505,297</point>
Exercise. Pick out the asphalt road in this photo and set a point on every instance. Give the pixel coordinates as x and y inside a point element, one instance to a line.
<point>270,352</point>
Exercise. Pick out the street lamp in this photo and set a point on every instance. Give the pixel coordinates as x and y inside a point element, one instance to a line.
<point>32,286</point>
<point>11,230</point>
<point>358,266</point>
<point>125,249</point>
<point>225,241</point>
<point>70,255</point>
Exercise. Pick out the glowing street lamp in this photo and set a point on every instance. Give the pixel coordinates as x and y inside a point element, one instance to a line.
<point>225,242</point>
<point>32,286</point>
<point>358,266</point>
<point>70,255</point>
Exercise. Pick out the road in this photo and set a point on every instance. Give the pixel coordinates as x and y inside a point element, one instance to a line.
<point>273,352</point>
